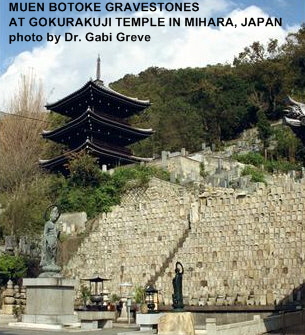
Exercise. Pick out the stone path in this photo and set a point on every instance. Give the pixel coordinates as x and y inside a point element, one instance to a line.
<point>113,331</point>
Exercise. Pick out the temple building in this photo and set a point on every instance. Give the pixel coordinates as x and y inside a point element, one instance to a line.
<point>295,113</point>
<point>98,124</point>
<point>295,117</point>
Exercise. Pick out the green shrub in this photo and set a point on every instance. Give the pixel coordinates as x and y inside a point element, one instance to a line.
<point>281,165</point>
<point>89,189</point>
<point>203,172</point>
<point>85,294</point>
<point>12,267</point>
<point>138,174</point>
<point>139,294</point>
<point>274,165</point>
<point>253,158</point>
<point>18,311</point>
<point>114,298</point>
<point>257,176</point>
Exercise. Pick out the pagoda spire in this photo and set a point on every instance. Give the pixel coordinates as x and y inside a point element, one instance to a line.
<point>98,68</point>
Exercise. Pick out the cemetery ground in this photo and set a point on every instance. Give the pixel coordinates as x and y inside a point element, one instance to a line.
<point>300,330</point>
<point>4,330</point>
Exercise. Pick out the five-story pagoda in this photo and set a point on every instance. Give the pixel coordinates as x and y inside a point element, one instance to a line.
<point>98,124</point>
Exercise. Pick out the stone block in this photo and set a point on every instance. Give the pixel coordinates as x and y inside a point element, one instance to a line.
<point>176,323</point>
<point>148,321</point>
<point>49,301</point>
<point>263,300</point>
<point>7,309</point>
<point>50,319</point>
<point>270,298</point>
<point>96,315</point>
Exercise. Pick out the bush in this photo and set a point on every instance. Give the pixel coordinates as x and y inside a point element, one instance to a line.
<point>89,189</point>
<point>138,174</point>
<point>85,294</point>
<point>139,294</point>
<point>203,172</point>
<point>12,267</point>
<point>282,166</point>
<point>279,164</point>
<point>257,176</point>
<point>253,158</point>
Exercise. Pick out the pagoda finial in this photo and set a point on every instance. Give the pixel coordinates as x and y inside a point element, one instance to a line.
<point>98,68</point>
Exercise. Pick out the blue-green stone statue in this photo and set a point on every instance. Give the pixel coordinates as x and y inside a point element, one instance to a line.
<point>177,285</point>
<point>50,244</point>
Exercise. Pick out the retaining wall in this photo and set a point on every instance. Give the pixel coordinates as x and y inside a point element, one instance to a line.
<point>236,248</point>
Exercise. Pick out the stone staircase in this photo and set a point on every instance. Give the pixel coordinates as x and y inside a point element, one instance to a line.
<point>137,240</point>
<point>169,258</point>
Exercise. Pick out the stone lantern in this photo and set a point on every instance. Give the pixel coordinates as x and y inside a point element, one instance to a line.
<point>150,292</point>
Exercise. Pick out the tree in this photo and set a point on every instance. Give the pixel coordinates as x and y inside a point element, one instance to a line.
<point>264,128</point>
<point>24,207</point>
<point>20,140</point>
<point>266,67</point>
<point>294,49</point>
<point>287,144</point>
<point>23,188</point>
<point>84,170</point>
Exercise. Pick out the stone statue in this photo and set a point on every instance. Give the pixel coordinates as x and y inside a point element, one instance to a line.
<point>50,243</point>
<point>177,285</point>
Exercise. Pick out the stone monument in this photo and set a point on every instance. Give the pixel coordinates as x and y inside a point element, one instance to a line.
<point>50,297</point>
<point>125,315</point>
<point>9,300</point>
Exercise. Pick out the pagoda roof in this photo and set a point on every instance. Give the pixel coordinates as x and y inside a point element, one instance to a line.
<point>108,155</point>
<point>93,93</point>
<point>72,129</point>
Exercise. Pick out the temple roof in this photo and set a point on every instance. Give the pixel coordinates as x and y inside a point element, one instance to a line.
<point>292,122</point>
<point>98,126</point>
<point>102,130</point>
<point>94,93</point>
<point>108,155</point>
<point>294,113</point>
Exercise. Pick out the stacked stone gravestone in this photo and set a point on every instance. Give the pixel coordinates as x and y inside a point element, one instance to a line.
<point>9,300</point>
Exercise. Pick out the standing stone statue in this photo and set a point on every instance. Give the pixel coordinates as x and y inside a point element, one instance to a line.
<point>50,243</point>
<point>177,285</point>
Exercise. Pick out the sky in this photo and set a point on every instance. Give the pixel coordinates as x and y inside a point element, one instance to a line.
<point>66,66</point>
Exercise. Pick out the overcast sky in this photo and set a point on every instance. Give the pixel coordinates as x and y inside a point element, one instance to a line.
<point>66,66</point>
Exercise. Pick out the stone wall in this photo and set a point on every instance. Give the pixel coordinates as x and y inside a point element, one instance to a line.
<point>236,248</point>
<point>249,247</point>
<point>131,243</point>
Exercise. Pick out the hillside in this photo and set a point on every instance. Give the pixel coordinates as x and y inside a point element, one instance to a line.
<point>216,103</point>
